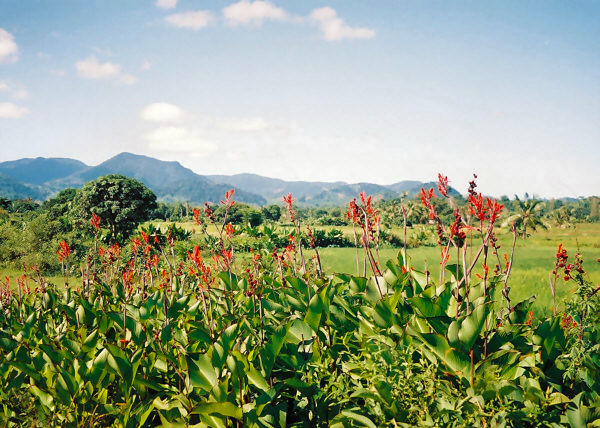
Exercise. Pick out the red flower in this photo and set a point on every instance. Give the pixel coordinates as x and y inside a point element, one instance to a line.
<point>229,231</point>
<point>476,207</point>
<point>63,251</point>
<point>95,221</point>
<point>288,201</point>
<point>443,185</point>
<point>228,202</point>
<point>196,212</point>
<point>494,208</point>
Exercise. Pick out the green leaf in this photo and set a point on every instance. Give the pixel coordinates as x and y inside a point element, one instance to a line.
<point>472,325</point>
<point>363,420</point>
<point>313,314</point>
<point>119,363</point>
<point>451,357</point>
<point>256,378</point>
<point>273,347</point>
<point>225,408</point>
<point>202,373</point>
<point>45,398</point>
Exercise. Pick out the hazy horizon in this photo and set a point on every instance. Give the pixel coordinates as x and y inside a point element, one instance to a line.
<point>316,91</point>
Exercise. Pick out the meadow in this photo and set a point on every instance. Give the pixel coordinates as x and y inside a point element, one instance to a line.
<point>534,257</point>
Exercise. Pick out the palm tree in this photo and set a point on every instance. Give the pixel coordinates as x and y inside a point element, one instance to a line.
<point>528,215</point>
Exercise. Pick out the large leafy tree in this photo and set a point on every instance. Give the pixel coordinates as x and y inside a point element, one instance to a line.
<point>121,202</point>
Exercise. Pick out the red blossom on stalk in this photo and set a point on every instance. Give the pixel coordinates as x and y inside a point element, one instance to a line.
<point>494,209</point>
<point>353,213</point>
<point>426,197</point>
<point>229,231</point>
<point>95,221</point>
<point>208,213</point>
<point>63,251</point>
<point>455,230</point>
<point>472,186</point>
<point>144,236</point>
<point>228,202</point>
<point>196,213</point>
<point>477,207</point>
<point>288,201</point>
<point>443,185</point>
<point>135,244</point>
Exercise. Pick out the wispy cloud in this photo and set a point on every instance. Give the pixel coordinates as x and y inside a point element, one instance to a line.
<point>15,91</point>
<point>12,111</point>
<point>179,139</point>
<point>146,65</point>
<point>334,28</point>
<point>162,112</point>
<point>192,20</point>
<point>9,51</point>
<point>166,4</point>
<point>247,12</point>
<point>91,68</point>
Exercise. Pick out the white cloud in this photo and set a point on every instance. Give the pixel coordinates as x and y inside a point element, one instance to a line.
<point>334,28</point>
<point>193,20</point>
<point>11,111</point>
<point>162,112</point>
<point>90,68</point>
<point>146,65</point>
<point>16,93</point>
<point>179,139</point>
<point>8,47</point>
<point>166,4</point>
<point>253,12</point>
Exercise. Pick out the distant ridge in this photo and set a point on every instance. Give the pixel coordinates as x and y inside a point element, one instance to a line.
<point>39,178</point>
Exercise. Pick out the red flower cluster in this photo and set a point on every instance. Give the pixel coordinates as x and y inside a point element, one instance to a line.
<point>229,202</point>
<point>196,213</point>
<point>561,262</point>
<point>484,209</point>
<point>443,185</point>
<point>426,197</point>
<point>288,201</point>
<point>229,231</point>
<point>567,322</point>
<point>95,221</point>
<point>455,230</point>
<point>63,251</point>
<point>353,213</point>
<point>208,213</point>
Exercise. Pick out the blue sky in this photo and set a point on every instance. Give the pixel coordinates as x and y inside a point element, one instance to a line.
<point>377,91</point>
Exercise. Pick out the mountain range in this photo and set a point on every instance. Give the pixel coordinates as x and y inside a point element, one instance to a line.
<point>40,178</point>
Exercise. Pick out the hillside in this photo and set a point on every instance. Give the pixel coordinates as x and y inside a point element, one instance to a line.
<point>272,189</point>
<point>12,188</point>
<point>39,178</point>
<point>41,170</point>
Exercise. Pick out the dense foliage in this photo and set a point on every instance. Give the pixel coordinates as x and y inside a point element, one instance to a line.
<point>120,201</point>
<point>212,336</point>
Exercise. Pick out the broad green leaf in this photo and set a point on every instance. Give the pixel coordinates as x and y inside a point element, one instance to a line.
<point>472,325</point>
<point>220,408</point>
<point>313,314</point>
<point>202,373</point>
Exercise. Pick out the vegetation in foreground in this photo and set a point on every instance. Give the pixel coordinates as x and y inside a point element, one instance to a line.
<point>150,337</point>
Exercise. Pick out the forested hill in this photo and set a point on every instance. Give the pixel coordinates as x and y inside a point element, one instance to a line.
<point>39,178</point>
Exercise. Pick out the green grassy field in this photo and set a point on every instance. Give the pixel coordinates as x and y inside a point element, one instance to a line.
<point>534,259</point>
